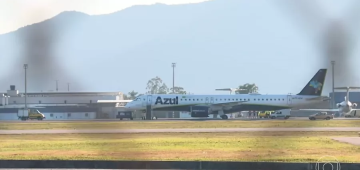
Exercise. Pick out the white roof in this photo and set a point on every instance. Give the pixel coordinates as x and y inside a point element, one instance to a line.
<point>114,101</point>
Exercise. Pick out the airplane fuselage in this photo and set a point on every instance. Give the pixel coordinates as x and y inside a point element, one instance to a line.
<point>170,102</point>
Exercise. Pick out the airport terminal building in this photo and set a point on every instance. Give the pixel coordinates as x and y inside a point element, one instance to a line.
<point>63,105</point>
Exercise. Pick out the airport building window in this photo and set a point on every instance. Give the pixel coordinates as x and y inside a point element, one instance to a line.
<point>266,99</point>
<point>69,114</point>
<point>86,114</point>
<point>51,115</point>
<point>14,101</point>
<point>90,101</point>
<point>65,101</point>
<point>39,101</point>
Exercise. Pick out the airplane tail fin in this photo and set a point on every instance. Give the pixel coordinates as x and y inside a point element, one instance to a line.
<point>315,86</point>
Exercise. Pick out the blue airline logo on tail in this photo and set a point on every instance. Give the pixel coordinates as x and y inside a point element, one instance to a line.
<point>316,85</point>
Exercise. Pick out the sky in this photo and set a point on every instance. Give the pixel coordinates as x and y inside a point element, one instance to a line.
<point>18,13</point>
<point>15,13</point>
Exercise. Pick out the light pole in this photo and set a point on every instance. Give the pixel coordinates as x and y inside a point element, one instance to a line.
<point>173,66</point>
<point>25,68</point>
<point>57,85</point>
<point>333,84</point>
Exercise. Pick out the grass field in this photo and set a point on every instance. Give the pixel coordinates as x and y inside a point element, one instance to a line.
<point>176,124</point>
<point>245,146</point>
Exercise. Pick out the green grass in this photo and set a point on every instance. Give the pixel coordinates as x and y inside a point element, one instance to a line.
<point>177,124</point>
<point>244,146</point>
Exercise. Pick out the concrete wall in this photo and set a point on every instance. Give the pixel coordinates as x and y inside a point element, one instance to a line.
<point>54,116</point>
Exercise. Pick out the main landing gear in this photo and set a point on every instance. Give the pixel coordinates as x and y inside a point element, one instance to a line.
<point>224,117</point>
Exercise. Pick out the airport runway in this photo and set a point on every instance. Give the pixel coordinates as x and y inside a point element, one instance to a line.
<point>190,130</point>
<point>164,119</point>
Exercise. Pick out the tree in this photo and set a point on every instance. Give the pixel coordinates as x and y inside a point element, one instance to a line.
<point>132,95</point>
<point>156,86</point>
<point>125,97</point>
<point>247,88</point>
<point>177,90</point>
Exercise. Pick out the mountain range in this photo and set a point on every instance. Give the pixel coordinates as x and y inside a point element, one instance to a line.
<point>216,44</point>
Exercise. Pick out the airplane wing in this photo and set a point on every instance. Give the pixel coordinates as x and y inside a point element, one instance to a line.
<point>229,104</point>
<point>321,110</point>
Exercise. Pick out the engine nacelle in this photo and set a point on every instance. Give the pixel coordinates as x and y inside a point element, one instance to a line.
<point>354,105</point>
<point>199,111</point>
<point>338,105</point>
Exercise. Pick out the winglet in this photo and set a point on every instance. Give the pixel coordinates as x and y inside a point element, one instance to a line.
<point>315,86</point>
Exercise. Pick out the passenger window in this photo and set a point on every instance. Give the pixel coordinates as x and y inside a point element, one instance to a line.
<point>266,99</point>
<point>197,99</point>
<point>185,99</point>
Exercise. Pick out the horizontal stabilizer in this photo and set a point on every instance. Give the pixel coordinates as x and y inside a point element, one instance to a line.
<point>345,88</point>
<point>321,110</point>
<point>320,98</point>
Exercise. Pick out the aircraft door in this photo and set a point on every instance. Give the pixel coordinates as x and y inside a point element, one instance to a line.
<point>149,99</point>
<point>211,100</point>
<point>207,100</point>
<point>289,100</point>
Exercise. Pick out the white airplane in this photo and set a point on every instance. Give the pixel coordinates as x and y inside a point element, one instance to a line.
<point>203,105</point>
<point>344,108</point>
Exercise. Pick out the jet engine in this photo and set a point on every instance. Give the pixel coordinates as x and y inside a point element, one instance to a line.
<point>199,111</point>
<point>354,105</point>
<point>338,105</point>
